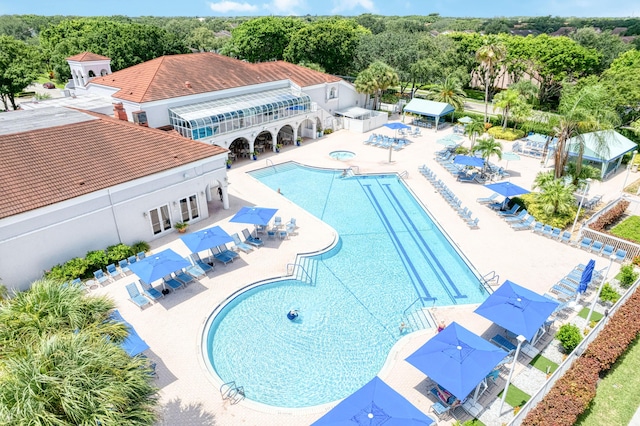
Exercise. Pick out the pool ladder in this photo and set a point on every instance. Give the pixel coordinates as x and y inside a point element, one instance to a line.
<point>299,266</point>
<point>232,392</point>
<point>404,174</point>
<point>490,279</point>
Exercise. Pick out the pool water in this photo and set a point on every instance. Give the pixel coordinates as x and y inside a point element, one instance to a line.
<point>389,254</point>
<point>342,155</point>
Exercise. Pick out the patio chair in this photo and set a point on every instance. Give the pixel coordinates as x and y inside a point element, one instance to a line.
<point>283,234</point>
<point>511,212</point>
<point>100,276</point>
<point>221,257</point>
<point>566,237</point>
<point>240,245</point>
<point>473,224</point>
<point>113,271</point>
<point>124,267</point>
<point>249,239</point>
<point>547,230</point>
<point>150,292</point>
<point>503,342</point>
<point>172,282</point>
<point>184,278</point>
<point>585,243</point>
<point>292,222</point>
<point>271,233</point>
<point>194,270</point>
<point>141,255</point>
<point>195,260</point>
<point>134,295</point>
<point>620,255</point>
<point>277,222</point>
<point>538,227</point>
<point>596,247</point>
<point>555,234</point>
<point>132,259</point>
<point>518,218</point>
<point>222,248</point>
<point>607,250</point>
<point>523,226</point>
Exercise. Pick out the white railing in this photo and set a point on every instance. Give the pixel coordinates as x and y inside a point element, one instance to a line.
<point>568,362</point>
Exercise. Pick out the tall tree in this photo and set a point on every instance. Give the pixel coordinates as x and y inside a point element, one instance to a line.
<point>18,68</point>
<point>376,79</point>
<point>449,91</point>
<point>608,45</point>
<point>488,147</point>
<point>490,55</point>
<point>508,100</point>
<point>473,130</point>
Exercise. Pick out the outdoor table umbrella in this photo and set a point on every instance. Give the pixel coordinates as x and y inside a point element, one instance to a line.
<point>254,215</point>
<point>395,126</point>
<point>457,359</point>
<point>374,404</point>
<point>467,160</point>
<point>510,156</point>
<point>465,120</point>
<point>158,265</point>
<point>206,239</point>
<point>133,343</point>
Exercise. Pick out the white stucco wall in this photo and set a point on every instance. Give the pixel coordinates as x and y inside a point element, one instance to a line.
<point>35,241</point>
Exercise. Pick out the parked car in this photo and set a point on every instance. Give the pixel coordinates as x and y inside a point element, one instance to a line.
<point>49,85</point>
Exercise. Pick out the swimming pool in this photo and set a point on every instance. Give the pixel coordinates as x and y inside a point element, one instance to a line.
<point>389,254</point>
<point>342,155</point>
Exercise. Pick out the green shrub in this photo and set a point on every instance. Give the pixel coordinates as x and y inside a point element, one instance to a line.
<point>609,294</point>
<point>462,150</point>
<point>328,131</point>
<point>611,216</point>
<point>96,259</point>
<point>569,336</point>
<point>627,275</point>
<point>118,252</point>
<point>528,201</point>
<point>506,134</point>
<point>478,95</point>
<point>140,246</point>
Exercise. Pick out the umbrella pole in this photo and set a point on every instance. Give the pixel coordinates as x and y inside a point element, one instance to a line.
<point>521,339</point>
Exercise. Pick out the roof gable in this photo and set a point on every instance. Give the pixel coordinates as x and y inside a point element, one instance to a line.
<point>617,145</point>
<point>76,159</point>
<point>174,76</point>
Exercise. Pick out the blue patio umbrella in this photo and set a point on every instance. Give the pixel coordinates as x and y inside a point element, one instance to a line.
<point>133,343</point>
<point>374,404</point>
<point>396,125</point>
<point>587,274</point>
<point>517,309</point>
<point>206,239</point>
<point>158,265</point>
<point>506,189</point>
<point>457,359</point>
<point>254,215</point>
<point>468,160</point>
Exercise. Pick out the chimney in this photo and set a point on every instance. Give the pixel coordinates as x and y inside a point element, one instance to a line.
<point>187,84</point>
<point>119,112</point>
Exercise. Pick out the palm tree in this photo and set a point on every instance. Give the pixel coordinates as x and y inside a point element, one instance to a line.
<point>450,92</point>
<point>490,54</point>
<point>377,78</point>
<point>542,179</point>
<point>473,130</point>
<point>489,147</point>
<point>556,198</point>
<point>581,111</point>
<point>507,100</point>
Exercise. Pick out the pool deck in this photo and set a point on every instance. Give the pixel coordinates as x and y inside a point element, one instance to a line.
<point>173,328</point>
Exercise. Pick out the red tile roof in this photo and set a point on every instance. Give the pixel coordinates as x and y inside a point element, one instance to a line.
<point>173,76</point>
<point>86,57</point>
<point>47,166</point>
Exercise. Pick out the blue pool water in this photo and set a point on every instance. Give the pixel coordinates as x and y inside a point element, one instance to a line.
<point>342,155</point>
<point>390,252</point>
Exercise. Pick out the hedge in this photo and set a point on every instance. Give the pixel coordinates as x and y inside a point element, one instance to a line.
<point>506,134</point>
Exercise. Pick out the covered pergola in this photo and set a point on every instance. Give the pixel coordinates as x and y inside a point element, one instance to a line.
<point>432,109</point>
<point>595,152</point>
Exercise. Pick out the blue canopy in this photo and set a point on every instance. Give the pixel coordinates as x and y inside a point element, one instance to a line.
<point>587,274</point>
<point>206,239</point>
<point>506,189</point>
<point>254,215</point>
<point>374,404</point>
<point>517,309</point>
<point>428,108</point>
<point>396,125</point>
<point>468,160</point>
<point>133,344</point>
<point>457,359</point>
<point>158,265</point>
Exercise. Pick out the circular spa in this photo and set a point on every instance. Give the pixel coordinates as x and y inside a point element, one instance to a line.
<point>342,155</point>
<point>391,260</point>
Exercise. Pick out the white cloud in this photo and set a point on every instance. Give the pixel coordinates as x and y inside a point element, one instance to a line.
<point>232,7</point>
<point>347,5</point>
<point>286,7</point>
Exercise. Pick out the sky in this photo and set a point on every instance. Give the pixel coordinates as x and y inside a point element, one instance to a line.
<point>204,8</point>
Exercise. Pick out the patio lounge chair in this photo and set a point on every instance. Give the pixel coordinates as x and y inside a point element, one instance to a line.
<point>113,271</point>
<point>184,278</point>
<point>566,237</point>
<point>503,342</point>
<point>222,248</point>
<point>240,245</point>
<point>124,266</point>
<point>195,260</point>
<point>194,270</point>
<point>620,255</point>
<point>141,255</point>
<point>523,226</point>
<point>172,282</point>
<point>249,239</point>
<point>100,276</point>
<point>473,224</point>
<point>555,234</point>
<point>538,227</point>
<point>488,200</point>
<point>518,218</point>
<point>134,295</point>
<point>511,212</point>
<point>596,247</point>
<point>150,292</point>
<point>607,251</point>
<point>221,257</point>
<point>586,243</point>
<point>547,230</point>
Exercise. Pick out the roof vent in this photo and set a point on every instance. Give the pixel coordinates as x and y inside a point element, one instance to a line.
<point>187,84</point>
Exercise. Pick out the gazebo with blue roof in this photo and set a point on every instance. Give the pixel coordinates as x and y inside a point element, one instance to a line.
<point>611,157</point>
<point>429,109</point>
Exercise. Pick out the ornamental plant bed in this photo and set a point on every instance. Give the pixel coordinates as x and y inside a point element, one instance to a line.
<point>610,217</point>
<point>629,229</point>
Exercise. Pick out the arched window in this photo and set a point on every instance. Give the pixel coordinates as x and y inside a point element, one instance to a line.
<point>91,74</point>
<point>103,72</point>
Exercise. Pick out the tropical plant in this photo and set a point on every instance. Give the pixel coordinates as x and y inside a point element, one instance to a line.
<point>449,91</point>
<point>569,336</point>
<point>141,246</point>
<point>507,100</point>
<point>473,130</point>
<point>506,134</point>
<point>627,275</point>
<point>488,147</point>
<point>556,197</point>
<point>375,79</point>
<point>490,55</point>
<point>609,294</point>
<point>542,179</point>
<point>118,252</point>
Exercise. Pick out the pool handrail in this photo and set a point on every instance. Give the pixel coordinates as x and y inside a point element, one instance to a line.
<point>302,268</point>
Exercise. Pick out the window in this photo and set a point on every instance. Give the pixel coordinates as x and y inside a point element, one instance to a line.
<point>189,208</point>
<point>333,93</point>
<point>91,73</point>
<point>160,220</point>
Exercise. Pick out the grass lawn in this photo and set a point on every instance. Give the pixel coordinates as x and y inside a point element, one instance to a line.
<point>43,78</point>
<point>595,316</point>
<point>628,228</point>
<point>515,396</point>
<point>618,394</point>
<point>541,363</point>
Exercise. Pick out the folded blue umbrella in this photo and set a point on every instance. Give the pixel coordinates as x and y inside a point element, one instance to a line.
<point>133,344</point>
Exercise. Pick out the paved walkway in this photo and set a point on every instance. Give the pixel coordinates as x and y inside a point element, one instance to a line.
<point>174,327</point>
